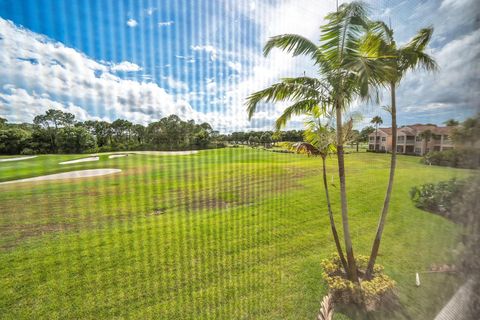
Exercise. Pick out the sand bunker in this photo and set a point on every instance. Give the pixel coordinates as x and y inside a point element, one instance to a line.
<point>68,175</point>
<point>80,160</point>
<point>153,153</point>
<point>113,156</point>
<point>167,153</point>
<point>17,159</point>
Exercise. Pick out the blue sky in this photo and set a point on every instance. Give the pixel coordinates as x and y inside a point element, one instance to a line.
<point>142,60</point>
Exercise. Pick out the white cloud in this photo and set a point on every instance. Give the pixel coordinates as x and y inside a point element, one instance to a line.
<point>132,23</point>
<point>237,66</point>
<point>176,84</point>
<point>165,23</point>
<point>34,104</point>
<point>125,66</point>
<point>207,48</point>
<point>36,72</point>
<point>150,10</point>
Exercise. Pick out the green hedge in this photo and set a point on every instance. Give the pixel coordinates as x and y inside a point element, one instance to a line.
<point>457,158</point>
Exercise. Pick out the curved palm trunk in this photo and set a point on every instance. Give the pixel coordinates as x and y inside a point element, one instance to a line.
<point>376,134</point>
<point>352,266</point>
<point>386,202</point>
<point>332,221</point>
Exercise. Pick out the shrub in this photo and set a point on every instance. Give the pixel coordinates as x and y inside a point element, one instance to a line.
<point>371,292</point>
<point>457,158</point>
<point>439,198</point>
<point>27,151</point>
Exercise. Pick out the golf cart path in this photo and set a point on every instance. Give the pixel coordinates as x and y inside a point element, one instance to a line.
<point>67,175</point>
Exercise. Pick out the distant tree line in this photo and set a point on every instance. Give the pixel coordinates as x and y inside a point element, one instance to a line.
<point>58,132</point>
<point>262,138</point>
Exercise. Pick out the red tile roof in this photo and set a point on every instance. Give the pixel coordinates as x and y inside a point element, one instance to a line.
<point>418,128</point>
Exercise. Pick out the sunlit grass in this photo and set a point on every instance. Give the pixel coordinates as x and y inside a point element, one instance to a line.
<point>225,234</point>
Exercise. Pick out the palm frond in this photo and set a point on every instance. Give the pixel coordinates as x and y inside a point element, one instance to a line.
<point>340,35</point>
<point>298,108</point>
<point>380,29</point>
<point>420,41</point>
<point>289,89</point>
<point>291,43</point>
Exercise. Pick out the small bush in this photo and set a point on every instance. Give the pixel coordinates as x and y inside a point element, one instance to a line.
<point>27,151</point>
<point>457,158</point>
<point>439,198</point>
<point>371,292</point>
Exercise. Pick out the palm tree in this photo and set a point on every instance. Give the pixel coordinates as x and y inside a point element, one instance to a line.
<point>346,71</point>
<point>411,56</point>
<point>320,140</point>
<point>376,121</point>
<point>451,123</point>
<point>426,136</point>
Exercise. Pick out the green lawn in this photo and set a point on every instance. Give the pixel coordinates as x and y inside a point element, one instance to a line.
<point>234,233</point>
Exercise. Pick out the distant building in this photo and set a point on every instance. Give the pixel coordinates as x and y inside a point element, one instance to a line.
<point>410,141</point>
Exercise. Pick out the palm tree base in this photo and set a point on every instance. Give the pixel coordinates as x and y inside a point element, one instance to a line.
<point>369,295</point>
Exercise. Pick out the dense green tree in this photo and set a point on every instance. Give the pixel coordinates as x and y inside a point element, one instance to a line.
<point>75,140</point>
<point>13,140</point>
<point>468,133</point>
<point>49,123</point>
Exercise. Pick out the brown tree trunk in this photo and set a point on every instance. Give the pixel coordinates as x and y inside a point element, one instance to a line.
<point>352,266</point>
<point>386,202</point>
<point>332,221</point>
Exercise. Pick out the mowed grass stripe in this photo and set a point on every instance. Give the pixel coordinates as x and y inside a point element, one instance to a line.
<point>232,233</point>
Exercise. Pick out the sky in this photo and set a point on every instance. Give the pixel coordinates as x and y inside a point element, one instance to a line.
<point>200,59</point>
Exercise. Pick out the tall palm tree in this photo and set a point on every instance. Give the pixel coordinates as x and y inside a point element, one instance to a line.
<point>426,136</point>
<point>377,120</point>
<point>410,56</point>
<point>346,71</point>
<point>320,140</point>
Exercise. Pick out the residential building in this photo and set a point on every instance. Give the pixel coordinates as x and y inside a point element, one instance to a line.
<point>410,139</point>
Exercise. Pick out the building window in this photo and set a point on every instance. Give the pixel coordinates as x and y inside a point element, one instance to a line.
<point>445,137</point>
<point>372,138</point>
<point>400,149</point>
<point>370,146</point>
<point>401,138</point>
<point>383,148</point>
<point>418,138</point>
<point>384,138</point>
<point>436,148</point>
<point>418,150</point>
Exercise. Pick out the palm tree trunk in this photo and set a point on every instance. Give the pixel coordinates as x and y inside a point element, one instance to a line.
<point>332,221</point>
<point>352,266</point>
<point>386,202</point>
<point>376,133</point>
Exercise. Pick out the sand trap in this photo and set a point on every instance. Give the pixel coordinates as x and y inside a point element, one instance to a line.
<point>68,175</point>
<point>166,153</point>
<point>113,156</point>
<point>154,153</point>
<point>17,159</point>
<point>80,160</point>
